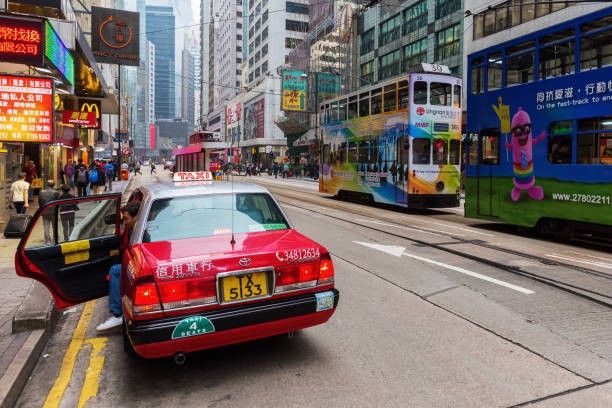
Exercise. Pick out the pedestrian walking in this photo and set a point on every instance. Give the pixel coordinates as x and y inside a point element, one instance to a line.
<point>18,197</point>
<point>67,213</point>
<point>45,196</point>
<point>93,178</point>
<point>81,178</point>
<point>109,170</point>
<point>69,172</point>
<point>115,164</point>
<point>137,168</point>
<point>153,167</point>
<point>30,171</point>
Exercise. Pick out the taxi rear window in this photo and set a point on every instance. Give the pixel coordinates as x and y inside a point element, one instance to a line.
<point>209,215</point>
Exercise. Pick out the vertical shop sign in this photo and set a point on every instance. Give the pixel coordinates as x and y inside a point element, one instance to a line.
<point>295,85</point>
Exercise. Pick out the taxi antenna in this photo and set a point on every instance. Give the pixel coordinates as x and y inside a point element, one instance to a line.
<point>233,241</point>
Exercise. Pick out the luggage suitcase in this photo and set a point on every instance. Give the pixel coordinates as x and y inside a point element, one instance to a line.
<point>16,225</point>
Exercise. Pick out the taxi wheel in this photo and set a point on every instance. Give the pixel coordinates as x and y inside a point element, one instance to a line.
<point>127,346</point>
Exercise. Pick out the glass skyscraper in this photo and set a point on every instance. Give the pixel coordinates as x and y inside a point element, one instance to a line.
<point>160,31</point>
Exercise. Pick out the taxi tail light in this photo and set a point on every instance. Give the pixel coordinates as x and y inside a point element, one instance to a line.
<point>180,294</point>
<point>296,277</point>
<point>326,270</point>
<point>146,298</point>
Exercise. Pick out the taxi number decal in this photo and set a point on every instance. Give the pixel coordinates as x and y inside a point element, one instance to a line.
<point>298,255</point>
<point>77,246</point>
<point>76,257</point>
<point>192,326</point>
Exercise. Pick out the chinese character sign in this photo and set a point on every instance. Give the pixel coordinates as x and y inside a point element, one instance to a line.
<point>26,109</point>
<point>79,118</point>
<point>295,85</point>
<point>21,40</point>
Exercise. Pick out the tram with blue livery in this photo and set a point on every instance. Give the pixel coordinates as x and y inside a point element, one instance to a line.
<point>539,128</point>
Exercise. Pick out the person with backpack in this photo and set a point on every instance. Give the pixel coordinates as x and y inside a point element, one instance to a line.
<point>67,213</point>
<point>109,170</point>
<point>94,179</point>
<point>81,178</point>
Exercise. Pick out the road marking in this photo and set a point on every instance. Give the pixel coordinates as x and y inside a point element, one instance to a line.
<point>420,229</point>
<point>592,256</point>
<point>92,376</point>
<point>63,379</point>
<point>601,265</point>
<point>472,274</point>
<point>449,226</point>
<point>399,251</point>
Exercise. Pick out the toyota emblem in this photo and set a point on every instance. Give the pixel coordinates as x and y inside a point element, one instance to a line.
<point>245,261</point>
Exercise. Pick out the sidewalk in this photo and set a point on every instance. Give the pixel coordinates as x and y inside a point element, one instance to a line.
<point>19,351</point>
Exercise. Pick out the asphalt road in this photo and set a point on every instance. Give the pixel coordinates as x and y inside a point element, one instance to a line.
<point>416,326</point>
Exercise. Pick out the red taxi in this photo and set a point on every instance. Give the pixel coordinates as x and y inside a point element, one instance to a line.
<point>208,264</point>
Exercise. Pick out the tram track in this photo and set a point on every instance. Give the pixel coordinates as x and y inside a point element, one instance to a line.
<point>590,294</point>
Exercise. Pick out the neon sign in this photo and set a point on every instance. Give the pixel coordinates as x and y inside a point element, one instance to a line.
<point>21,40</point>
<point>58,54</point>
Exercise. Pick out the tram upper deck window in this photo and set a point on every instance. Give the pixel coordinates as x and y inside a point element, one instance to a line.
<point>457,96</point>
<point>390,98</point>
<point>421,151</point>
<point>440,94</point>
<point>494,71</point>
<point>342,110</point>
<point>376,101</point>
<point>440,151</point>
<point>557,58</point>
<point>364,104</point>
<point>477,74</point>
<point>403,95</point>
<point>596,48</point>
<point>519,63</point>
<point>420,92</point>
<point>334,112</point>
<point>352,107</point>
<point>454,152</point>
<point>560,135</point>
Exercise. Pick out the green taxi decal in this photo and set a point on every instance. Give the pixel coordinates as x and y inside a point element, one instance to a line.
<point>192,326</point>
<point>270,227</point>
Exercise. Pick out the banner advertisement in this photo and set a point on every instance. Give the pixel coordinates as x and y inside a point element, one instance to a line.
<point>328,86</point>
<point>21,40</point>
<point>79,118</point>
<point>254,117</point>
<point>115,36</point>
<point>26,109</point>
<point>92,105</point>
<point>152,136</point>
<point>233,113</point>
<point>58,54</point>
<point>295,85</point>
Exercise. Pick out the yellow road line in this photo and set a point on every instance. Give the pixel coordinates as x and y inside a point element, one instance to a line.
<point>92,376</point>
<point>61,382</point>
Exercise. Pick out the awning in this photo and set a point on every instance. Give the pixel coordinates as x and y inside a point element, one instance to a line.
<point>186,150</point>
<point>308,138</point>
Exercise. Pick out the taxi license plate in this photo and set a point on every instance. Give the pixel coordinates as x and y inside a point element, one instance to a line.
<point>246,286</point>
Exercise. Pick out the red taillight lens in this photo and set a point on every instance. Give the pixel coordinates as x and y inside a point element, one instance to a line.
<point>190,293</point>
<point>296,277</point>
<point>146,298</point>
<point>326,270</point>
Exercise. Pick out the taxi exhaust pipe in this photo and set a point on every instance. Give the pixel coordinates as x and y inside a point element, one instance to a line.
<point>180,358</point>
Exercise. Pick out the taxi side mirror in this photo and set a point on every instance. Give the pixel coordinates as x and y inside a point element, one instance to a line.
<point>110,219</point>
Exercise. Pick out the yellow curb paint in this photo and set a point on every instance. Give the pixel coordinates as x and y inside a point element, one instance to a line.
<point>92,376</point>
<point>61,382</point>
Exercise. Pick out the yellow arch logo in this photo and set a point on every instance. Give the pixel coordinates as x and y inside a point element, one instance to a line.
<point>91,107</point>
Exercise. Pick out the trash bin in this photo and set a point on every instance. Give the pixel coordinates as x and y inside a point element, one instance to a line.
<point>124,174</point>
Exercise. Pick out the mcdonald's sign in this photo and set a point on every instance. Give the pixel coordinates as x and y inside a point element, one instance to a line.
<point>92,105</point>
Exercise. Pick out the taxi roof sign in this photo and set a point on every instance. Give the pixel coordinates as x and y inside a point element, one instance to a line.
<point>192,176</point>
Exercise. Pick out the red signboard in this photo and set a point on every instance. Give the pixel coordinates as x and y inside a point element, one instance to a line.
<point>26,109</point>
<point>22,40</point>
<point>79,118</point>
<point>152,135</point>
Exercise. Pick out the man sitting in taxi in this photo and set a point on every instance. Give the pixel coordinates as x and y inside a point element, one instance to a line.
<point>128,213</point>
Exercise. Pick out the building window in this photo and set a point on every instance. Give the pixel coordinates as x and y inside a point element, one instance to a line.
<point>238,25</point>
<point>446,7</point>
<point>257,72</point>
<point>239,37</point>
<point>238,49</point>
<point>238,72</point>
<point>251,18</point>
<point>238,60</point>
<point>257,40</point>
<point>296,8</point>
<point>367,72</point>
<point>389,64</point>
<point>292,25</point>
<point>264,18</point>
<point>251,62</point>
<point>367,42</point>
<point>519,63</point>
<point>292,42</point>
<point>251,48</point>
<point>251,32</point>
<point>258,25</point>
<point>257,56</point>
<point>264,50</point>
<point>448,42</point>
<point>264,67</point>
<point>264,33</point>
<point>415,17</point>
<point>390,30</point>
<point>251,77</point>
<point>415,53</point>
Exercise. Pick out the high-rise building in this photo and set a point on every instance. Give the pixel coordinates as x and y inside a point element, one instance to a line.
<point>188,87</point>
<point>270,44</point>
<point>160,24</point>
<point>205,16</point>
<point>228,53</point>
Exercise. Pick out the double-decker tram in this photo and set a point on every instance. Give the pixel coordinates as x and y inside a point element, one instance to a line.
<point>205,152</point>
<point>397,142</point>
<point>539,125</point>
